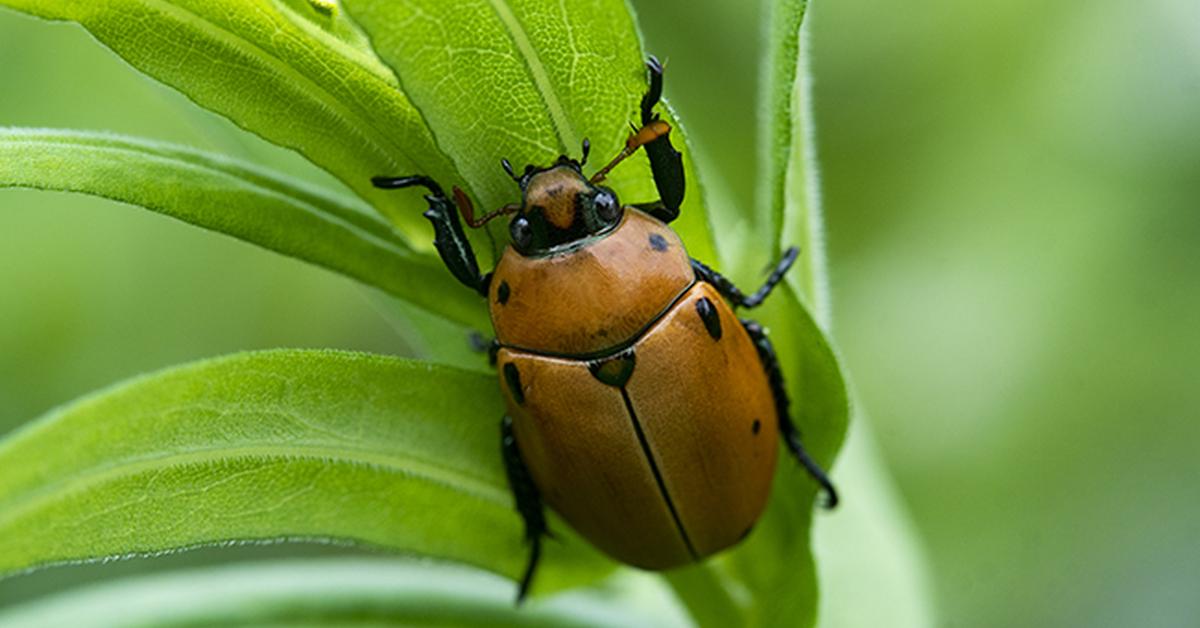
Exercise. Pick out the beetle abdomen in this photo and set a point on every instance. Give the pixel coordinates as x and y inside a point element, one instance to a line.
<point>591,297</point>
<point>660,454</point>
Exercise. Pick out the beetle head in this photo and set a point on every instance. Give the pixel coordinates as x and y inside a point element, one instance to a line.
<point>559,206</point>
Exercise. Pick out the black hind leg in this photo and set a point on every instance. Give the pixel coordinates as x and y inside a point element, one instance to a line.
<point>787,429</point>
<point>529,502</point>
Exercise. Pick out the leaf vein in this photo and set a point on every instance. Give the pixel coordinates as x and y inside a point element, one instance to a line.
<point>396,463</point>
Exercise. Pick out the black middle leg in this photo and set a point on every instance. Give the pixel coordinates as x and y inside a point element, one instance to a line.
<point>529,502</point>
<point>452,244</point>
<point>787,429</point>
<point>733,293</point>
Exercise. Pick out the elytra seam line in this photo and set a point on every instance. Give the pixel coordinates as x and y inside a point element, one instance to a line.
<point>662,487</point>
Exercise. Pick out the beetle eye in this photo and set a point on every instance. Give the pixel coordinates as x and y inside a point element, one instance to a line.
<point>522,235</point>
<point>607,206</point>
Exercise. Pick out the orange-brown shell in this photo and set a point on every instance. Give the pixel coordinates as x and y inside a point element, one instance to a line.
<point>592,297</point>
<point>670,467</point>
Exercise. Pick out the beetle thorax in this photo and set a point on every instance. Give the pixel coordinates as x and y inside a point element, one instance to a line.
<point>589,299</point>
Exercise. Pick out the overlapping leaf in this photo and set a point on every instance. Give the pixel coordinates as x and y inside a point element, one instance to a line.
<point>287,444</point>
<point>222,194</point>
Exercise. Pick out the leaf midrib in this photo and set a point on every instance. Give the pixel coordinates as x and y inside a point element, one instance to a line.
<point>407,465</point>
<point>537,71</point>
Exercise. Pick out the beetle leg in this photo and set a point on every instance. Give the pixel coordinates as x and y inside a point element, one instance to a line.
<point>733,293</point>
<point>452,244</point>
<point>781,268</point>
<point>787,429</point>
<point>665,162</point>
<point>659,210</point>
<point>529,502</point>
<point>480,344</point>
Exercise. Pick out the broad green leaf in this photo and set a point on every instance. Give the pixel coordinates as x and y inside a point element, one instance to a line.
<point>298,77</point>
<point>525,80</point>
<point>320,445</point>
<point>246,202</point>
<point>330,592</point>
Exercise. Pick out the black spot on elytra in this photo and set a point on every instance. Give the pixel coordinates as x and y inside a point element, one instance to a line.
<point>657,242</point>
<point>708,314</point>
<point>513,377</point>
<point>503,292</point>
<point>756,427</point>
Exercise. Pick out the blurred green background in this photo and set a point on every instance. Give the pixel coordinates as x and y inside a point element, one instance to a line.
<point>1012,195</point>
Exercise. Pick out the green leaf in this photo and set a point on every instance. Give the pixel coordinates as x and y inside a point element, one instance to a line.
<point>526,80</point>
<point>802,223</point>
<point>321,445</point>
<point>431,337</point>
<point>328,592</point>
<point>870,544</point>
<point>240,200</point>
<point>778,115</point>
<point>295,76</point>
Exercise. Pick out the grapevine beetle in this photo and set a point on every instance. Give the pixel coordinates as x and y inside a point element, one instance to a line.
<point>640,407</point>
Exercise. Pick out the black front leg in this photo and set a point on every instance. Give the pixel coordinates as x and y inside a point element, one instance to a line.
<point>665,162</point>
<point>452,244</point>
<point>787,429</point>
<point>733,293</point>
<point>529,502</point>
